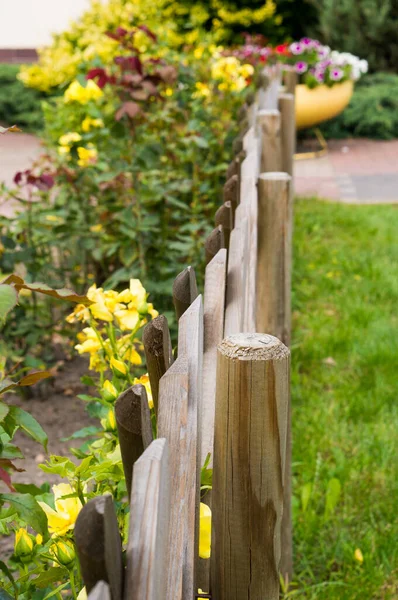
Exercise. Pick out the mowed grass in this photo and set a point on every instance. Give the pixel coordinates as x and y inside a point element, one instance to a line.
<point>345,401</point>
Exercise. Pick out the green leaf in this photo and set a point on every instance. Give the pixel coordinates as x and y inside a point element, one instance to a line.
<point>306,491</point>
<point>7,572</point>
<point>8,299</point>
<point>29,425</point>
<point>28,510</point>
<point>333,493</point>
<point>89,431</point>
<point>3,411</point>
<point>28,488</point>
<point>43,288</point>
<point>58,589</point>
<point>51,576</point>
<point>10,451</point>
<point>59,465</point>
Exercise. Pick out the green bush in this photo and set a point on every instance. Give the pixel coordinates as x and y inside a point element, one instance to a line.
<point>372,112</point>
<point>367,28</point>
<point>19,105</point>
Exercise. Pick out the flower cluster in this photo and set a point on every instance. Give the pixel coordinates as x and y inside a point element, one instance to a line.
<point>114,319</point>
<point>317,64</point>
<point>231,74</point>
<point>82,94</point>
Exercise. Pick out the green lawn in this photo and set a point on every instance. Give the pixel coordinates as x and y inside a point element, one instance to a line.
<point>345,410</point>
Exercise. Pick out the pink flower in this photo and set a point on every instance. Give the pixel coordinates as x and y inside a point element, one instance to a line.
<point>336,74</point>
<point>320,76</point>
<point>307,43</point>
<point>301,67</point>
<point>296,48</point>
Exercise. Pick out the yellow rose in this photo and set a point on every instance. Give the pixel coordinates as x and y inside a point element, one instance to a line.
<point>24,544</point>
<point>87,156</point>
<point>144,380</point>
<point>89,123</point>
<point>63,518</point>
<point>64,552</point>
<point>127,319</point>
<point>69,138</point>
<point>204,531</point>
<point>77,93</point>
<point>118,367</point>
<point>109,391</point>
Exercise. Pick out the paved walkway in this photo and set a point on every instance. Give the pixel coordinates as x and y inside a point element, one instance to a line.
<point>17,151</point>
<point>356,171</point>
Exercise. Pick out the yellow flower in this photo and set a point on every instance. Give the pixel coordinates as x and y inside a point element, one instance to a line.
<point>77,93</point>
<point>23,546</point>
<point>144,380</point>
<point>69,138</point>
<point>138,293</point>
<point>118,367</point>
<point>202,90</point>
<point>89,123</point>
<point>80,313</point>
<point>63,518</point>
<point>39,539</point>
<point>151,311</point>
<point>64,552</point>
<point>98,309</point>
<point>90,342</point>
<point>82,594</point>
<point>87,156</point>
<point>127,319</point>
<point>96,228</point>
<point>109,423</point>
<point>358,556</point>
<point>198,52</point>
<point>204,531</point>
<point>109,391</point>
<point>96,363</point>
<point>63,150</point>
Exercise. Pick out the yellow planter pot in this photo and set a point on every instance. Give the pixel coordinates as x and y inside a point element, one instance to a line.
<point>321,103</point>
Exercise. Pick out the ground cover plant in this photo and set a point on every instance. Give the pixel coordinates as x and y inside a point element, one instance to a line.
<point>17,103</point>
<point>345,417</point>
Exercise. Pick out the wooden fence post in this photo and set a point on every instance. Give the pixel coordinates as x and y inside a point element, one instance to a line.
<point>249,462</point>
<point>214,242</point>
<point>99,546</point>
<point>129,419</point>
<point>158,353</point>
<point>274,255</point>
<point>269,128</point>
<point>225,217</point>
<point>288,131</point>
<point>290,80</point>
<point>184,291</point>
<point>231,192</point>
<point>100,592</point>
<point>172,425</point>
<point>149,521</point>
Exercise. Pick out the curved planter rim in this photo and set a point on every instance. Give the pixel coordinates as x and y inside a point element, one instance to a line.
<point>313,106</point>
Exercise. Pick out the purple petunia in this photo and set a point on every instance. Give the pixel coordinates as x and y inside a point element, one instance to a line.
<point>296,48</point>
<point>336,74</point>
<point>301,67</point>
<point>320,76</point>
<point>307,42</point>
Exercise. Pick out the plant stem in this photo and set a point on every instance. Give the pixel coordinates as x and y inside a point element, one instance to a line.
<point>72,584</point>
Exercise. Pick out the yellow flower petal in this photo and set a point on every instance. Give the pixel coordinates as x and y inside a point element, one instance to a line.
<point>204,531</point>
<point>358,555</point>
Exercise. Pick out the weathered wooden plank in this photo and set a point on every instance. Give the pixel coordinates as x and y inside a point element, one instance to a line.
<point>290,80</point>
<point>99,546</point>
<point>147,548</point>
<point>158,353</point>
<point>214,242</point>
<point>173,426</point>
<point>274,255</point>
<point>249,459</point>
<point>184,291</point>
<point>100,592</point>
<point>288,131</point>
<point>190,344</point>
<point>129,413</point>
<point>268,127</point>
<point>225,218</point>
<point>237,273</point>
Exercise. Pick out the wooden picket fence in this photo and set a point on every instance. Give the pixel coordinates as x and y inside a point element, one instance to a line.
<point>226,393</point>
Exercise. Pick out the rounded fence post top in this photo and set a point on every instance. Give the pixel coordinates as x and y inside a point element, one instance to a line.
<point>275,176</point>
<point>253,346</point>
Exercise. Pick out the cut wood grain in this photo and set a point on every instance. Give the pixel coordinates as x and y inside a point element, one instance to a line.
<point>225,218</point>
<point>100,592</point>
<point>249,459</point>
<point>158,353</point>
<point>274,255</point>
<point>184,291</point>
<point>190,345</point>
<point>214,242</point>
<point>268,126</point>
<point>173,426</point>
<point>99,546</point>
<point>129,419</point>
<point>147,548</point>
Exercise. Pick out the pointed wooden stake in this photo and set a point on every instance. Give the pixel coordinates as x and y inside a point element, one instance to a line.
<point>158,353</point>
<point>184,291</point>
<point>214,242</point>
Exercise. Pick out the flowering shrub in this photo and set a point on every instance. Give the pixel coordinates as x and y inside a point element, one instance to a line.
<point>317,64</point>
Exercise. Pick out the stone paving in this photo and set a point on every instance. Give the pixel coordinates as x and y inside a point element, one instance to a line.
<point>356,171</point>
